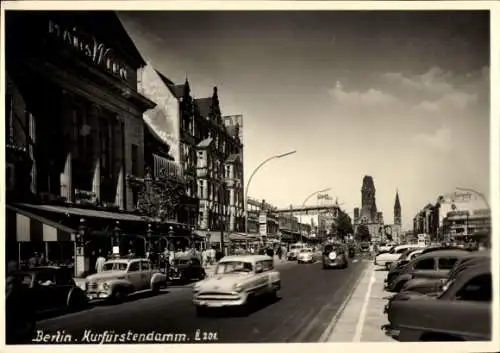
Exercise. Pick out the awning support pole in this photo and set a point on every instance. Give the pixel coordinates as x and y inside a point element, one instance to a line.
<point>18,254</point>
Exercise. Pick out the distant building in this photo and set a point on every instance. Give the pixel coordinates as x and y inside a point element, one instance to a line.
<point>426,221</point>
<point>368,215</point>
<point>465,225</point>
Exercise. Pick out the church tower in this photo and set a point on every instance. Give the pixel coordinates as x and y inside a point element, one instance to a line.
<point>397,210</point>
<point>368,203</point>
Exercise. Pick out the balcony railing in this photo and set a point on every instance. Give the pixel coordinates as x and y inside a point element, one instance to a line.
<point>162,167</point>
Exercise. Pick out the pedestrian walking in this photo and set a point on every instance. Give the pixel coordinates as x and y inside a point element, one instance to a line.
<point>99,264</point>
<point>279,252</point>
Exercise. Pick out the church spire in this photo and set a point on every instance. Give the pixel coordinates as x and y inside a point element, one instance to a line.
<point>397,209</point>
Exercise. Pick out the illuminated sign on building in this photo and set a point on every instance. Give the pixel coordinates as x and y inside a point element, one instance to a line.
<point>88,45</point>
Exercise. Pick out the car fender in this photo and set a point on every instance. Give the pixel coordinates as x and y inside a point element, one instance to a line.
<point>75,291</point>
<point>121,283</point>
<point>400,279</point>
<point>158,278</point>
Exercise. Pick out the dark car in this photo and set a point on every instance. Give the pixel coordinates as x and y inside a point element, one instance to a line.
<point>399,266</point>
<point>461,312</point>
<point>334,256</point>
<point>438,248</point>
<point>185,269</point>
<point>433,265</point>
<point>428,286</point>
<point>53,289</point>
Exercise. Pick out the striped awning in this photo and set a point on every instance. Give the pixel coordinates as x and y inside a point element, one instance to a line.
<point>30,227</point>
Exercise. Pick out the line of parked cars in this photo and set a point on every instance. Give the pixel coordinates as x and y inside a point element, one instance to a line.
<point>440,294</point>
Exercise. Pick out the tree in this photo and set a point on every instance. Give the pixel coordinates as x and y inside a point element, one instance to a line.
<point>342,225</point>
<point>160,197</point>
<point>363,233</point>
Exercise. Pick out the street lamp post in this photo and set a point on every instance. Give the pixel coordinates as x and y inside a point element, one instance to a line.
<point>307,199</point>
<point>149,236</point>
<point>251,177</point>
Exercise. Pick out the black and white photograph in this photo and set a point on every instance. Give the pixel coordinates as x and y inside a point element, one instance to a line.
<point>182,174</point>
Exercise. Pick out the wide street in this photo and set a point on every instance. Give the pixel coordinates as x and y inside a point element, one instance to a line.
<point>309,299</point>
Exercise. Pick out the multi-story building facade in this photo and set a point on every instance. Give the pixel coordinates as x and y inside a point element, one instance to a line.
<point>262,220</point>
<point>427,221</point>
<point>75,130</point>
<point>465,225</point>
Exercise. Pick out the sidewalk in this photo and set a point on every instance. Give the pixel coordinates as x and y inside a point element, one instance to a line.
<point>362,317</point>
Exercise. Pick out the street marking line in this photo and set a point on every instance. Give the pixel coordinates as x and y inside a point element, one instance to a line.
<point>331,326</point>
<point>364,311</point>
<point>354,261</point>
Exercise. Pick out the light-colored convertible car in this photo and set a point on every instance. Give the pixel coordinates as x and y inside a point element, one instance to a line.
<point>237,282</point>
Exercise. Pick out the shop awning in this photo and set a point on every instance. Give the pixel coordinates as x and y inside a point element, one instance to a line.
<point>82,212</point>
<point>30,227</point>
<point>242,237</point>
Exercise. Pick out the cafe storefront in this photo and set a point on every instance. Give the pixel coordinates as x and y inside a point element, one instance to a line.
<point>74,112</point>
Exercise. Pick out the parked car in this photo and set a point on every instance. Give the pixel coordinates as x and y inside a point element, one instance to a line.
<point>238,281</point>
<point>53,289</point>
<point>427,286</point>
<point>334,256</point>
<point>305,256</point>
<point>438,248</point>
<point>122,277</point>
<point>397,267</point>
<point>186,268</point>
<point>433,265</point>
<point>461,312</point>
<point>385,259</point>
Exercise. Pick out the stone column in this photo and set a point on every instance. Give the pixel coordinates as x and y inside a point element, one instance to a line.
<point>119,164</point>
<point>93,121</point>
<point>32,135</point>
<point>66,176</point>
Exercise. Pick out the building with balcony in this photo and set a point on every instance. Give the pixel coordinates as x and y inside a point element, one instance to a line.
<point>465,225</point>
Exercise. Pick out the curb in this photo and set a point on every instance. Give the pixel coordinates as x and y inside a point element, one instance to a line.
<point>331,326</point>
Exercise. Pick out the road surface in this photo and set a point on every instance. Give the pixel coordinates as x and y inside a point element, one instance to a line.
<point>309,299</point>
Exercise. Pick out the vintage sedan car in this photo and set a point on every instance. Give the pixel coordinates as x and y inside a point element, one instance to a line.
<point>238,281</point>
<point>186,268</point>
<point>294,251</point>
<point>335,256</point>
<point>122,277</point>
<point>428,286</point>
<point>306,256</point>
<point>433,265</point>
<point>53,289</point>
<point>385,259</point>
<point>461,312</point>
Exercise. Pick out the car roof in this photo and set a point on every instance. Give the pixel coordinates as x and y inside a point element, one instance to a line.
<point>246,258</point>
<point>125,261</point>
<point>478,269</point>
<point>444,253</point>
<point>439,248</point>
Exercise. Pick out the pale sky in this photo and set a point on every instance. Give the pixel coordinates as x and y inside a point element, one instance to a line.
<point>401,96</point>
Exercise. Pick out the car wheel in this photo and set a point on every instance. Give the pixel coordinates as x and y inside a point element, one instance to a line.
<point>77,301</point>
<point>119,295</point>
<point>201,311</point>
<point>399,286</point>
<point>155,288</point>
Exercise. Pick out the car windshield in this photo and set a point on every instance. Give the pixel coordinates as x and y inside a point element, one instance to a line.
<point>306,250</point>
<point>115,266</point>
<point>233,266</point>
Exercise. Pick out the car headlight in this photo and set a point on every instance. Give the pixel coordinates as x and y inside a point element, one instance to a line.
<point>332,256</point>
<point>105,286</point>
<point>238,287</point>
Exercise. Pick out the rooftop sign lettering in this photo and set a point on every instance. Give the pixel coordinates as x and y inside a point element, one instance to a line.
<point>88,45</point>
